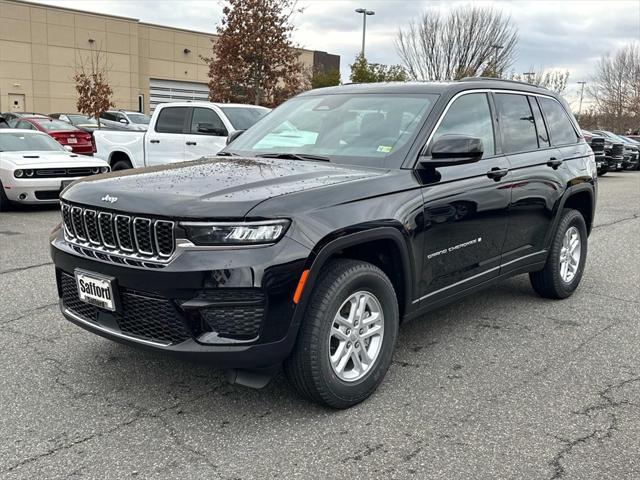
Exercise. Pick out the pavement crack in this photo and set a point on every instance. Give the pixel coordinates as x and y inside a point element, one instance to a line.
<point>625,219</point>
<point>21,269</point>
<point>29,312</point>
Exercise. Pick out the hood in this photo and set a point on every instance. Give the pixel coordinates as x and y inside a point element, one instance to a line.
<point>48,159</point>
<point>209,188</point>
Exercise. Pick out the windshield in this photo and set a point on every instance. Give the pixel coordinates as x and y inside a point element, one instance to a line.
<point>23,141</point>
<point>361,129</point>
<point>243,118</point>
<point>82,120</point>
<point>51,125</point>
<point>138,118</point>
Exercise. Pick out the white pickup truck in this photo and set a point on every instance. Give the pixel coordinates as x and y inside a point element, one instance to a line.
<point>177,132</point>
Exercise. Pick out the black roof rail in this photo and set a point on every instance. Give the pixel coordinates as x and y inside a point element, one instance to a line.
<point>473,79</point>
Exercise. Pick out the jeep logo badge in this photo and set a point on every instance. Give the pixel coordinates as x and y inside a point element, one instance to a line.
<point>109,199</point>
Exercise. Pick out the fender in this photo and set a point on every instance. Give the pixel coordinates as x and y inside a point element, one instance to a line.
<point>319,258</point>
<point>569,192</point>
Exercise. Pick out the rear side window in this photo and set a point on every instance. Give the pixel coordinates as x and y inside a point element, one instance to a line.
<point>171,120</point>
<point>469,115</point>
<point>541,129</point>
<point>108,116</point>
<point>517,123</point>
<point>560,127</point>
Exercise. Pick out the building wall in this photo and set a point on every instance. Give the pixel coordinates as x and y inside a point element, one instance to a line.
<point>41,46</point>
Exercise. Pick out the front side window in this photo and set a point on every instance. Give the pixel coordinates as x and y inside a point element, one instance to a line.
<point>350,128</point>
<point>469,115</point>
<point>207,122</point>
<point>108,116</point>
<point>517,123</point>
<point>171,120</point>
<point>560,127</point>
<point>243,117</point>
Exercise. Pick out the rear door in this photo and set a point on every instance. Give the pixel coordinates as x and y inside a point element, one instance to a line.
<point>165,143</point>
<point>207,134</point>
<point>535,182</point>
<point>465,210</point>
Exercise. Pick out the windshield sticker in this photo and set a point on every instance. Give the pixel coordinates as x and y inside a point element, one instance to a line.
<point>384,149</point>
<point>454,248</point>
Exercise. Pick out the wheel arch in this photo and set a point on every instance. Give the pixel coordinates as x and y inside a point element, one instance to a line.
<point>384,246</point>
<point>580,197</point>
<point>118,155</point>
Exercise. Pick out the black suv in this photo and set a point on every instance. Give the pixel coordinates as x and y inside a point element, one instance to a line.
<point>315,233</point>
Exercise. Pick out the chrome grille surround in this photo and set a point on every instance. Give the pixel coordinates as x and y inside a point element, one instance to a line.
<point>95,234</point>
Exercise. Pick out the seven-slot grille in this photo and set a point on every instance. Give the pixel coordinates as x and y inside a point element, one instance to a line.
<point>135,237</point>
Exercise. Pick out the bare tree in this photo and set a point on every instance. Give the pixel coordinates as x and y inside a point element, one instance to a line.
<point>615,88</point>
<point>555,80</point>
<point>92,86</point>
<point>468,41</point>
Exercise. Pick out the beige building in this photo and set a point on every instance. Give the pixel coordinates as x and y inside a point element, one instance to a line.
<point>41,46</point>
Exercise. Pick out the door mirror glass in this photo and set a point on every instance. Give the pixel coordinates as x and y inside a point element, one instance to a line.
<point>454,150</point>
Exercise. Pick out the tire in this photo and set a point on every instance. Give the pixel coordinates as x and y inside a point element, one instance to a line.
<point>549,282</point>
<point>121,165</point>
<point>309,368</point>
<point>602,173</point>
<point>5,203</point>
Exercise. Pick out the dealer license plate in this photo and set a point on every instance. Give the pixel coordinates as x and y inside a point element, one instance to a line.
<point>96,289</point>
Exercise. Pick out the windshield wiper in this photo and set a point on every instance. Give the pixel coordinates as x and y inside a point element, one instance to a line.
<point>295,156</point>
<point>226,154</point>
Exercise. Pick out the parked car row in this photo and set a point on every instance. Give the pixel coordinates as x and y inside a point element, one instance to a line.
<point>613,152</point>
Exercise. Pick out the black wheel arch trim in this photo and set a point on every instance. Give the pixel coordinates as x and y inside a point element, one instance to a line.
<point>334,243</point>
<point>570,192</point>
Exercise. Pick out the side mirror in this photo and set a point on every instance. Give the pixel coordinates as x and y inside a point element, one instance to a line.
<point>233,135</point>
<point>211,129</point>
<point>453,150</point>
<point>123,120</point>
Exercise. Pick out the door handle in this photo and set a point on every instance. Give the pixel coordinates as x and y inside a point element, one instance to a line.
<point>191,143</point>
<point>154,141</point>
<point>554,162</point>
<point>497,173</point>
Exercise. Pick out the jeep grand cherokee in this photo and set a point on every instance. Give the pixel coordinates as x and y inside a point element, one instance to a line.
<point>316,232</point>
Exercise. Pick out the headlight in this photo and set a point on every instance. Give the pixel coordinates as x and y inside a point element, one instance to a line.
<point>18,173</point>
<point>104,169</point>
<point>250,233</point>
<point>95,170</point>
<point>28,173</point>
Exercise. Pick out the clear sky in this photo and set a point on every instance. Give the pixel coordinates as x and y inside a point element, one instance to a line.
<point>568,35</point>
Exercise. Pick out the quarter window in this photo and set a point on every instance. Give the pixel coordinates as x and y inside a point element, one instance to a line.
<point>517,123</point>
<point>469,115</point>
<point>25,125</point>
<point>560,127</point>
<point>171,120</point>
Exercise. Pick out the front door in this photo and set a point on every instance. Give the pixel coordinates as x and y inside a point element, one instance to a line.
<point>465,209</point>
<point>207,134</point>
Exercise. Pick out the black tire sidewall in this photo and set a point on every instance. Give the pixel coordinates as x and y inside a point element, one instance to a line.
<point>125,165</point>
<point>375,282</point>
<point>571,218</point>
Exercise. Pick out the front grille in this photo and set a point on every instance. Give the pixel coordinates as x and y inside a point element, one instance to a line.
<point>617,150</point>
<point>597,145</point>
<point>47,194</point>
<point>65,172</point>
<point>235,313</point>
<point>144,316</point>
<point>138,238</point>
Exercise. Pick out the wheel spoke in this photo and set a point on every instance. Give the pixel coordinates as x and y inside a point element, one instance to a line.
<point>375,330</point>
<point>364,355</point>
<point>373,318</point>
<point>342,359</point>
<point>339,334</point>
<point>357,363</point>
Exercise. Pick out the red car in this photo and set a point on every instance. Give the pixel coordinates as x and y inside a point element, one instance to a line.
<point>64,133</point>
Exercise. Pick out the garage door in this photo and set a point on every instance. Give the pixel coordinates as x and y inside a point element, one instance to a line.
<point>164,91</point>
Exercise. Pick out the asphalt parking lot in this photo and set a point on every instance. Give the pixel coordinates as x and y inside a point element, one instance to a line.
<point>501,385</point>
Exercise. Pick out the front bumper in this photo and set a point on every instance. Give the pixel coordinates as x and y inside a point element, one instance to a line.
<point>35,190</point>
<point>231,308</point>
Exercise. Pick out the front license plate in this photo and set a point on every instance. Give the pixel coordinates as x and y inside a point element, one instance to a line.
<point>96,289</point>
<point>72,140</point>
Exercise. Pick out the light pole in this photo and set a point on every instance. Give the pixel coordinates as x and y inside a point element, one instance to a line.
<point>581,94</point>
<point>495,61</point>
<point>529,75</point>
<point>364,13</point>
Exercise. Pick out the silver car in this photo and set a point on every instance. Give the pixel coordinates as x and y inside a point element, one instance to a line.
<point>34,168</point>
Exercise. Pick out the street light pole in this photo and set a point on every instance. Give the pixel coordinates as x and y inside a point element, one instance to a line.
<point>581,94</point>
<point>364,13</point>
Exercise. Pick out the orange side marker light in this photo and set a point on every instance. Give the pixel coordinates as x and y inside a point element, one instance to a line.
<point>300,287</point>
